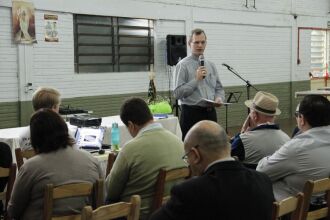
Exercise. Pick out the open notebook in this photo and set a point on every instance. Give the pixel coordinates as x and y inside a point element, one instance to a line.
<point>90,138</point>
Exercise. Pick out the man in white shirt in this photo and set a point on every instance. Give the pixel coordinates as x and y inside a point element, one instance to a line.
<point>306,156</point>
<point>43,97</point>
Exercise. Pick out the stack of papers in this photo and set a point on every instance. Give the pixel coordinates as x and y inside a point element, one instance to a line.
<point>210,103</point>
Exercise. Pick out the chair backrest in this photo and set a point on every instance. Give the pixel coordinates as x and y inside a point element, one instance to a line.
<point>71,190</point>
<point>289,205</point>
<point>129,210</point>
<point>21,154</point>
<point>163,177</point>
<point>111,159</point>
<point>316,187</point>
<point>11,174</point>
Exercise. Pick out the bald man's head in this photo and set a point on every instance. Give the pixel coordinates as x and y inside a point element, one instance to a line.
<point>210,136</point>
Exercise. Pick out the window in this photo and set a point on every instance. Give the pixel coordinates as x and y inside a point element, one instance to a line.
<point>320,52</point>
<point>113,44</point>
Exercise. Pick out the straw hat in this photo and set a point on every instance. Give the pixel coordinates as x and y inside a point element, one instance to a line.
<point>265,103</point>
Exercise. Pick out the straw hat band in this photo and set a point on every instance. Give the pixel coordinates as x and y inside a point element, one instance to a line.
<point>264,103</point>
<point>263,110</point>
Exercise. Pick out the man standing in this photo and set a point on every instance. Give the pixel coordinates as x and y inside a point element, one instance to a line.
<point>306,156</point>
<point>260,136</point>
<point>223,188</point>
<point>138,163</point>
<point>196,79</point>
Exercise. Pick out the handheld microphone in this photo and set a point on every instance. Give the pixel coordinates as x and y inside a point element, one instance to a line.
<point>201,61</point>
<point>226,65</point>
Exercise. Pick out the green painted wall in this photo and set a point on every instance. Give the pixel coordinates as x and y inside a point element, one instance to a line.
<point>238,112</point>
<point>11,116</point>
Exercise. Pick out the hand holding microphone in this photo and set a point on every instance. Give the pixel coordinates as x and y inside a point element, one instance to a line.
<point>201,70</point>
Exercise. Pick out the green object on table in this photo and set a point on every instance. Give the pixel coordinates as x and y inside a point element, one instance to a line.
<point>160,108</point>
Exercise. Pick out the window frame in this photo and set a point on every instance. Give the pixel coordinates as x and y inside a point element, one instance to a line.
<point>119,51</point>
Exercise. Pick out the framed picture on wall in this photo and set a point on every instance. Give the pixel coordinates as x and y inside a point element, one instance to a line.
<point>23,22</point>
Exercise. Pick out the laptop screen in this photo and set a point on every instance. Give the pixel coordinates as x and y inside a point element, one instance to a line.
<point>90,138</point>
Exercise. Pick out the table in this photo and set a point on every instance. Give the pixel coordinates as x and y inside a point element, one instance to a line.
<point>11,136</point>
<point>324,88</point>
<point>313,92</point>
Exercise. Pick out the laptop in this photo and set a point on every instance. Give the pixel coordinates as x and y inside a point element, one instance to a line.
<point>90,138</point>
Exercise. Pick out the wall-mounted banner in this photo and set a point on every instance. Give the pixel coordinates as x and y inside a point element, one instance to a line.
<point>51,33</point>
<point>24,30</point>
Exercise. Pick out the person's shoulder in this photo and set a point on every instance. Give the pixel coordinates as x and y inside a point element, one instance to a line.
<point>212,64</point>
<point>81,153</point>
<point>194,185</point>
<point>167,136</point>
<point>185,60</point>
<point>259,177</point>
<point>34,162</point>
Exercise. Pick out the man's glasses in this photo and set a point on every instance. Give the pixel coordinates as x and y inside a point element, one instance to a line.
<point>185,157</point>
<point>199,42</point>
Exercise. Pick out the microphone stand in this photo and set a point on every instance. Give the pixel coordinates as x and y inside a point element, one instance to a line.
<point>247,83</point>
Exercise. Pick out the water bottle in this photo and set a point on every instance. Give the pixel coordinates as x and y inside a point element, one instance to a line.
<point>115,137</point>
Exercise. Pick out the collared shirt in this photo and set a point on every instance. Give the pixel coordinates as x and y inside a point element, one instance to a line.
<point>189,90</point>
<point>151,126</point>
<point>219,161</point>
<point>305,157</point>
<point>259,142</point>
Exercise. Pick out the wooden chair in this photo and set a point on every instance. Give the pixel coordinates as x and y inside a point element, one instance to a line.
<point>316,187</point>
<point>111,159</point>
<point>71,190</point>
<point>21,154</point>
<point>130,210</point>
<point>289,205</point>
<point>163,177</point>
<point>11,174</point>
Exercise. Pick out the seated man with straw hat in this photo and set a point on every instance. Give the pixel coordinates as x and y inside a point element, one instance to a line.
<point>260,136</point>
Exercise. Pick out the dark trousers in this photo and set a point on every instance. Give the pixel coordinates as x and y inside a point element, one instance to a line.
<point>191,114</point>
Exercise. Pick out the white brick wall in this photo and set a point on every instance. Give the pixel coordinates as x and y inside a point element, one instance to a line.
<point>257,42</point>
<point>315,8</point>
<point>164,72</point>
<point>8,59</point>
<point>260,54</point>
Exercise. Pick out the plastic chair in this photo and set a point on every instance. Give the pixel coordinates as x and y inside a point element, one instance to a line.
<point>21,154</point>
<point>316,187</point>
<point>71,190</point>
<point>289,205</point>
<point>130,210</point>
<point>165,176</point>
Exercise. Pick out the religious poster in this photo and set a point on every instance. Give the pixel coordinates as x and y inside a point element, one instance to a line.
<point>51,33</point>
<point>23,22</point>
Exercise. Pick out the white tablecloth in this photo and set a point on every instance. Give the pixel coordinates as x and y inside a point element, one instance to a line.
<point>11,136</point>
